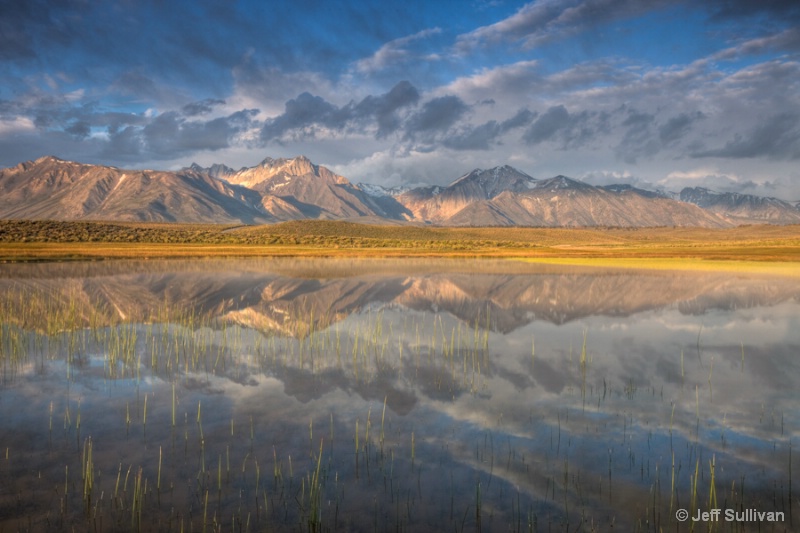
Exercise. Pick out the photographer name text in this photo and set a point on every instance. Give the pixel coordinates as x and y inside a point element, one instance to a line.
<point>731,515</point>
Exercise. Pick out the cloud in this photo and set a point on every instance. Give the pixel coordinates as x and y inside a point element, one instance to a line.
<point>536,23</point>
<point>530,18</point>
<point>613,177</point>
<point>543,21</point>
<point>787,40</point>
<point>270,88</point>
<point>143,87</point>
<point>301,115</point>
<point>474,138</point>
<point>79,129</point>
<point>525,87</point>
<point>712,178</point>
<point>638,139</point>
<point>569,130</point>
<point>124,144</point>
<point>547,125</point>
<point>306,114</point>
<point>483,136</point>
<point>436,115</point>
<point>677,127</point>
<point>645,135</point>
<point>170,135</point>
<point>16,125</point>
<point>393,52</point>
<point>384,107</point>
<point>202,107</point>
<point>25,25</point>
<point>506,81</point>
<point>522,118</point>
<point>777,137</point>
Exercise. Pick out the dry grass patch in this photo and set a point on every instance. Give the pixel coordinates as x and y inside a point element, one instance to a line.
<point>32,240</point>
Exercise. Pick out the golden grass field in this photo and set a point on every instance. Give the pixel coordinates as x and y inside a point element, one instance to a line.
<point>757,247</point>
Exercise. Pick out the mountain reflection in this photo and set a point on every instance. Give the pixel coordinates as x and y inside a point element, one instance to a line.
<point>487,370</point>
<point>292,297</point>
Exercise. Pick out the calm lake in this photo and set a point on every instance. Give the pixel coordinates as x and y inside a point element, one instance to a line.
<point>395,395</point>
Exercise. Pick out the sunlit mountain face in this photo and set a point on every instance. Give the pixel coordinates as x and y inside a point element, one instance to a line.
<point>296,189</point>
<point>451,387</point>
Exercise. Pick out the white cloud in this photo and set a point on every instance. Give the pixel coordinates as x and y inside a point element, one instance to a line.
<point>502,82</point>
<point>394,52</point>
<point>788,39</point>
<point>539,22</point>
<point>16,125</point>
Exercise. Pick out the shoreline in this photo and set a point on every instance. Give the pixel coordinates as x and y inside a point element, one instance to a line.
<point>783,262</point>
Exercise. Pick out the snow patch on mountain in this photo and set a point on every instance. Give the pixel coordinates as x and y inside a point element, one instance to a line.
<point>379,191</point>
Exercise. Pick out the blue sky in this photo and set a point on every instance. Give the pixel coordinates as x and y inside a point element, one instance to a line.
<point>655,93</point>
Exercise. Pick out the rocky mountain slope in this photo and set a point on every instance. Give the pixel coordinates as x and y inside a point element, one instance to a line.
<point>296,188</point>
<point>506,197</point>
<point>293,189</point>
<point>438,205</point>
<point>743,208</point>
<point>51,188</point>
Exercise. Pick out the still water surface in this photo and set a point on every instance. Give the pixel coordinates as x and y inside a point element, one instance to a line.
<point>376,395</point>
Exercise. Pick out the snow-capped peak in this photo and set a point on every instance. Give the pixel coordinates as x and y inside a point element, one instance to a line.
<point>379,191</point>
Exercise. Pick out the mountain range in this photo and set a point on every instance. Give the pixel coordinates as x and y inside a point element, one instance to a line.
<point>293,189</point>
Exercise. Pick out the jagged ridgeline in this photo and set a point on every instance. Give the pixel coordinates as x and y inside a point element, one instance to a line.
<point>296,189</point>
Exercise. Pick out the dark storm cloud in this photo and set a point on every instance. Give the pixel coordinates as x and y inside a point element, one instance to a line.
<point>639,138</point>
<point>644,135</point>
<point>79,129</point>
<point>483,136</point>
<point>569,130</point>
<point>474,138</point>
<point>777,137</point>
<point>384,107</point>
<point>436,115</point>
<point>170,135</point>
<point>124,144</point>
<point>547,125</point>
<point>522,118</point>
<point>203,107</point>
<point>677,127</point>
<point>302,115</point>
<point>305,115</point>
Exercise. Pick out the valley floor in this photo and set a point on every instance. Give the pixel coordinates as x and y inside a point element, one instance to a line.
<point>762,247</point>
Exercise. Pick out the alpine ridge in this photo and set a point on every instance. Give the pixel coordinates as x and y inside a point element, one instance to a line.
<point>294,189</point>
<point>743,208</point>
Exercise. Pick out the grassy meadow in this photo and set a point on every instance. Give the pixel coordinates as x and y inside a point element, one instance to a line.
<point>729,249</point>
